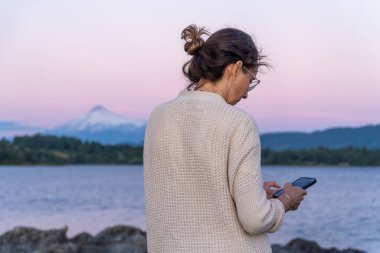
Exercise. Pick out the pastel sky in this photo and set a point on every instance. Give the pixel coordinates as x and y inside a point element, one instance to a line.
<point>58,59</point>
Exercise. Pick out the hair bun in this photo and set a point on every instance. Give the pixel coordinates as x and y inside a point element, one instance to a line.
<point>193,37</point>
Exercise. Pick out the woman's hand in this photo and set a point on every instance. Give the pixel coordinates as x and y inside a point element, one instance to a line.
<point>268,185</point>
<point>292,197</point>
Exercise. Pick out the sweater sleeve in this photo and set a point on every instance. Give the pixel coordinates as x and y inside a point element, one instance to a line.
<point>256,213</point>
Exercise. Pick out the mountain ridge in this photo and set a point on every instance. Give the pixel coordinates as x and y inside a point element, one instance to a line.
<point>365,136</point>
<point>101,125</point>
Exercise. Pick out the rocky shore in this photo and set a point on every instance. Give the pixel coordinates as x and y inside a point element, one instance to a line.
<point>117,239</point>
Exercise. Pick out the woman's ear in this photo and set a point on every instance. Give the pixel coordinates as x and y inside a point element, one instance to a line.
<point>232,70</point>
<point>238,67</point>
<point>239,64</point>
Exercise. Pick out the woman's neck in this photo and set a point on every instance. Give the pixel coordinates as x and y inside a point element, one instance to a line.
<point>209,86</point>
<point>220,88</point>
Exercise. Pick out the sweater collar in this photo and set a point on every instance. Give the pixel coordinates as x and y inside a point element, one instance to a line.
<point>201,95</point>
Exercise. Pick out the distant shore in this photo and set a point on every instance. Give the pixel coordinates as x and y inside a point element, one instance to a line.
<point>114,239</point>
<point>53,150</point>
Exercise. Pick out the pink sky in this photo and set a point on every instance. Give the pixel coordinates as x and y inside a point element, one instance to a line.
<point>58,59</point>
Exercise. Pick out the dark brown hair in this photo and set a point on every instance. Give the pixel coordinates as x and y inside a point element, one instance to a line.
<point>212,56</point>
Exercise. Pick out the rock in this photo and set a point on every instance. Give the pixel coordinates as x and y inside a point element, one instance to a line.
<point>299,245</point>
<point>276,248</point>
<point>25,239</point>
<point>82,239</point>
<point>120,239</point>
<point>117,239</point>
<point>58,248</point>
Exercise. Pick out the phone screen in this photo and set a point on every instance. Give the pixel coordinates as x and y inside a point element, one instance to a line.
<point>304,182</point>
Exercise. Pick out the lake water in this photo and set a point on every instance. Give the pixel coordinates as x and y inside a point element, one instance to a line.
<point>341,210</point>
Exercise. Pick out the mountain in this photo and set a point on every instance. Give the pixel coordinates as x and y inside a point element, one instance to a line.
<point>13,126</point>
<point>103,126</point>
<point>366,136</point>
<point>8,129</point>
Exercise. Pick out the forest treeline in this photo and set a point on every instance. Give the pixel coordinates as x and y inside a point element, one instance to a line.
<point>349,156</point>
<point>43,149</point>
<point>50,150</point>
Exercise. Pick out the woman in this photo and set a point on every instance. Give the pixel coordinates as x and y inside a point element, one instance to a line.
<point>203,184</point>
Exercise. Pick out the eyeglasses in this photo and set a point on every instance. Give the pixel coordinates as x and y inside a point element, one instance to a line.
<point>254,82</point>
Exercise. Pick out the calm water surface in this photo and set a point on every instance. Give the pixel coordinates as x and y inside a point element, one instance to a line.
<point>341,210</point>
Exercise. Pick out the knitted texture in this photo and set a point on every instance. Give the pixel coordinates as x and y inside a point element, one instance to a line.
<point>202,178</point>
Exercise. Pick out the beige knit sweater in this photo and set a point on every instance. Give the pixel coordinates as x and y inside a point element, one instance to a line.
<point>202,178</point>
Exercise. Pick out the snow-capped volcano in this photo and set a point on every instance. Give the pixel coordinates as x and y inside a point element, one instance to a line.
<point>99,119</point>
<point>101,125</point>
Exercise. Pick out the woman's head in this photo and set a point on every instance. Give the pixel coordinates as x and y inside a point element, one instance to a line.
<point>211,57</point>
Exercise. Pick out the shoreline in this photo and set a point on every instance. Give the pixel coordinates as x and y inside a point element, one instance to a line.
<point>138,164</point>
<point>115,239</point>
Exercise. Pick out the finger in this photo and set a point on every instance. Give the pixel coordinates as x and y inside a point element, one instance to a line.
<point>300,191</point>
<point>273,184</point>
<point>295,207</point>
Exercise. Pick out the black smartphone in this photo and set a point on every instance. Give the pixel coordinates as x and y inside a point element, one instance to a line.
<point>302,182</point>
